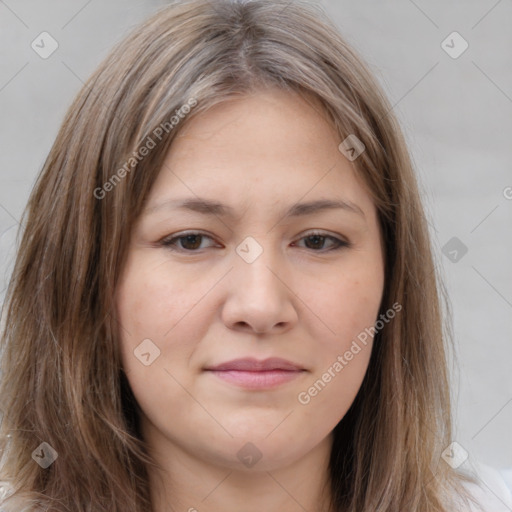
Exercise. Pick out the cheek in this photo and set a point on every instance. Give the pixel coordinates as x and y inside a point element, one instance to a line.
<point>347,306</point>
<point>154,302</point>
<point>343,351</point>
<point>156,340</point>
<point>146,310</point>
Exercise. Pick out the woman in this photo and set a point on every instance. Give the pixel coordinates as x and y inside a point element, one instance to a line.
<point>296,361</point>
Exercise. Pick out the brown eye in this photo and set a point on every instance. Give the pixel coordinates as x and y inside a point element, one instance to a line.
<point>316,242</point>
<point>188,242</point>
<point>192,242</point>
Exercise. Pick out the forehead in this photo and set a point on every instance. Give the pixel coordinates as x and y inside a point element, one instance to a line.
<point>271,122</point>
<point>268,148</point>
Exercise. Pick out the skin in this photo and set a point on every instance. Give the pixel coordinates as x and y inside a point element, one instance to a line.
<point>297,300</point>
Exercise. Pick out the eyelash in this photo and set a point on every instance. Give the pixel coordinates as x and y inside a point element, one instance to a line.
<point>170,242</point>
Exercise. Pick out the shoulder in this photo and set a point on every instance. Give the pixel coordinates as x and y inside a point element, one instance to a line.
<point>5,492</point>
<point>491,492</point>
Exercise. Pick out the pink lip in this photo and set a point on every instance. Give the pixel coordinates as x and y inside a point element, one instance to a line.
<point>254,374</point>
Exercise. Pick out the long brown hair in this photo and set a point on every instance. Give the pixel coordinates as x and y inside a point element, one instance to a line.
<point>62,380</point>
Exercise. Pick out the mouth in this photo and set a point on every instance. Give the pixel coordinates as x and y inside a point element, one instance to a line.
<point>251,373</point>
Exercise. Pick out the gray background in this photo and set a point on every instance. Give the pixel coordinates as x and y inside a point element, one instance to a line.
<point>456,114</point>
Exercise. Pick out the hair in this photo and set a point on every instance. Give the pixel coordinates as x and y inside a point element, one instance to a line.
<point>62,381</point>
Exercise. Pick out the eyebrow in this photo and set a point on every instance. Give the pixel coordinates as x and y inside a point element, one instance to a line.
<point>215,208</point>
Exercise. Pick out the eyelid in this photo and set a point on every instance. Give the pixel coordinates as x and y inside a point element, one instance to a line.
<point>166,241</point>
<point>340,242</point>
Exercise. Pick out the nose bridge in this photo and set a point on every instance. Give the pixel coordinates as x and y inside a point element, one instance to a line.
<point>256,265</point>
<point>257,295</point>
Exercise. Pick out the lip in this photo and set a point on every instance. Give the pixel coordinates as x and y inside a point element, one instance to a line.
<point>252,373</point>
<point>250,364</point>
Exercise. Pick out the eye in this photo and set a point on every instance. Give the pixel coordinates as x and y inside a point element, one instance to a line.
<point>316,240</point>
<point>192,242</point>
<point>188,242</point>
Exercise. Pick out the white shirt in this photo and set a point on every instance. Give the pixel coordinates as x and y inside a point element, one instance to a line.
<point>493,492</point>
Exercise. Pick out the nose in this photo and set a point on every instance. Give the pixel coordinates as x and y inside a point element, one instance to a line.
<point>259,298</point>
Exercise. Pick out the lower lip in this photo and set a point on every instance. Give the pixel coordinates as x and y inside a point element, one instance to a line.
<point>259,379</point>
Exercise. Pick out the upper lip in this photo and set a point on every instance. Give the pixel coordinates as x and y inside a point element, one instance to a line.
<point>255,365</point>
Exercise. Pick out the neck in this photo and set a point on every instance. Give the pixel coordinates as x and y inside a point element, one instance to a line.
<point>188,483</point>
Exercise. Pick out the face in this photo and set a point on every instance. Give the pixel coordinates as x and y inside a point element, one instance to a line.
<point>251,273</point>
